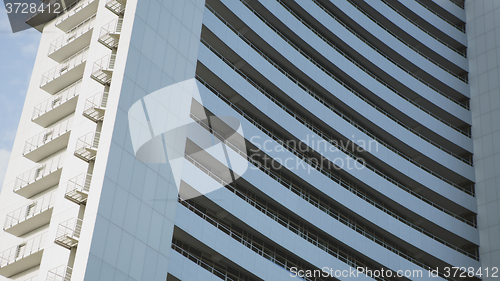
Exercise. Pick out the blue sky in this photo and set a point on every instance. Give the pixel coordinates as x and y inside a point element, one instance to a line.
<point>17,56</point>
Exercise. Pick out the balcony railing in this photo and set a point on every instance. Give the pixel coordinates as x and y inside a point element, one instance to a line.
<point>78,188</point>
<point>23,256</point>
<point>117,6</point>
<point>59,105</point>
<point>110,33</point>
<point>74,40</point>
<point>71,69</point>
<point>103,69</point>
<point>86,146</point>
<point>48,142</point>
<point>76,13</point>
<point>68,233</point>
<point>95,107</point>
<point>60,273</point>
<point>39,178</point>
<point>30,216</point>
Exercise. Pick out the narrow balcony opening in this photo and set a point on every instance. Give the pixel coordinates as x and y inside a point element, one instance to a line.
<point>86,146</point>
<point>103,69</point>
<point>110,33</point>
<point>58,106</point>
<point>68,233</point>
<point>95,107</point>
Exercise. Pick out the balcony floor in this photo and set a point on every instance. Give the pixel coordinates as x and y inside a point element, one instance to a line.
<point>48,148</point>
<point>67,78</point>
<point>78,17</point>
<point>57,113</point>
<point>40,185</point>
<point>31,223</point>
<point>72,47</point>
<point>22,264</point>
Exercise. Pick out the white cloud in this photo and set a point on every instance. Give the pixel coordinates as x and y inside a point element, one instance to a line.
<point>4,161</point>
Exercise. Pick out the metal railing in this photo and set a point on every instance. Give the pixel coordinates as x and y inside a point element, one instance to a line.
<point>48,135</point>
<point>102,69</point>
<point>71,35</point>
<point>328,104</point>
<point>117,7</point>
<point>320,131</point>
<point>73,9</point>
<point>40,171</point>
<point>462,53</point>
<point>246,241</point>
<point>318,167</point>
<point>95,105</point>
<point>302,232</point>
<point>80,183</point>
<point>57,99</point>
<point>65,66</point>
<point>203,264</point>
<point>70,228</point>
<point>60,273</point>
<point>30,210</point>
<point>339,80</point>
<point>86,146</point>
<point>461,28</point>
<point>23,250</point>
<point>393,34</point>
<point>315,201</point>
<point>108,33</point>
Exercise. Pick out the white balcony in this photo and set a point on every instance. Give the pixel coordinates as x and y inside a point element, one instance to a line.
<point>39,178</point>
<point>86,146</point>
<point>58,106</point>
<point>103,69</point>
<point>65,73</point>
<point>75,39</point>
<point>76,13</point>
<point>68,233</point>
<point>23,256</point>
<point>30,216</point>
<point>78,188</point>
<point>95,107</point>
<point>48,142</point>
<point>110,33</point>
<point>60,273</point>
<point>117,6</point>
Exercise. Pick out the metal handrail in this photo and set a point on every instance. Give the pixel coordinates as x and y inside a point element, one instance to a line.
<point>461,28</point>
<point>463,54</point>
<point>68,12</point>
<point>39,172</point>
<point>312,201</point>
<point>247,242</point>
<point>326,103</point>
<point>23,250</point>
<point>393,34</point>
<point>71,35</point>
<point>60,273</point>
<point>30,210</point>
<point>57,99</point>
<point>80,183</point>
<point>65,66</point>
<point>48,135</point>
<point>201,263</point>
<point>320,132</point>
<point>70,228</point>
<point>316,166</point>
<point>304,233</point>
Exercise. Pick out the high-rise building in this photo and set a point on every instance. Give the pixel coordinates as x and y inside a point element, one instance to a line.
<point>370,131</point>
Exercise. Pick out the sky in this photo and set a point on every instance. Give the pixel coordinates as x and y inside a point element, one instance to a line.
<point>17,56</point>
